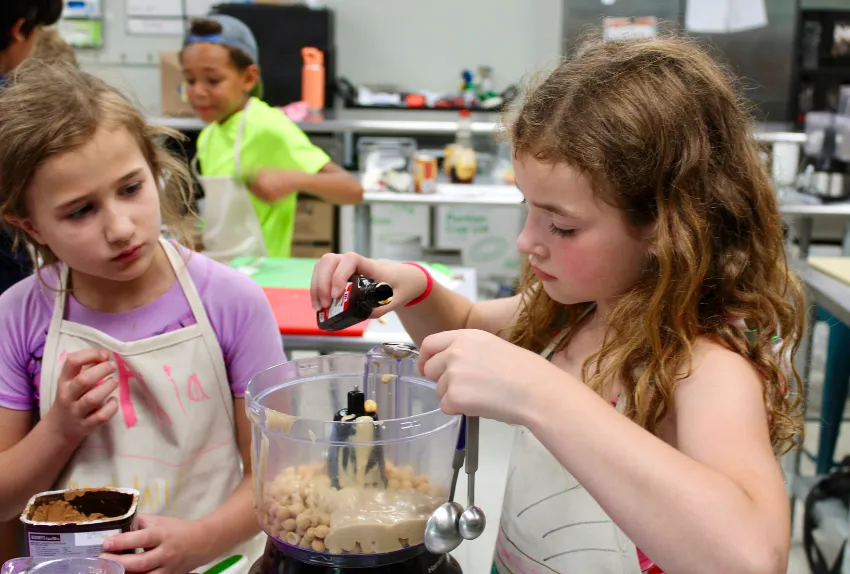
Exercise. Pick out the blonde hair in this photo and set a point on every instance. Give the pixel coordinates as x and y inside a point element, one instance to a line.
<point>661,132</point>
<point>52,49</point>
<point>51,110</point>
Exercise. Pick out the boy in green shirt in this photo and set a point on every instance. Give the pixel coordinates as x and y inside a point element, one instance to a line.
<point>276,158</point>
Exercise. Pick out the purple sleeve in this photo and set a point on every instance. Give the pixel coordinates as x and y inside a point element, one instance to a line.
<point>23,321</point>
<point>244,323</point>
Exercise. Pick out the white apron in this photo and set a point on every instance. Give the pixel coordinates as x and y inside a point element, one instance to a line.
<point>231,226</point>
<point>173,437</point>
<point>550,523</point>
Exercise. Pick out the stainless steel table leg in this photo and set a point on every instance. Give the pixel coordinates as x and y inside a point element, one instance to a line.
<point>363,229</point>
<point>804,237</point>
<point>845,241</point>
<point>348,148</point>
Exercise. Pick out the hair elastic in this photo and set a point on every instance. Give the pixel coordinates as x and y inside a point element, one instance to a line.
<point>428,287</point>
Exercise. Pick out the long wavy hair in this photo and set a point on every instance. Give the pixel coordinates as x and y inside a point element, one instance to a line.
<point>663,134</point>
<point>49,110</point>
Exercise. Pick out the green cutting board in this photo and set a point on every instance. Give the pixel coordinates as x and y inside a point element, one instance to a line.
<point>272,272</point>
<point>295,273</point>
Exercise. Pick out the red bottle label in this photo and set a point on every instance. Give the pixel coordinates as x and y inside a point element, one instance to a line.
<point>339,305</point>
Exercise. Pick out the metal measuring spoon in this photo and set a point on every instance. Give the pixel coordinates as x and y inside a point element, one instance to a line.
<point>441,530</point>
<point>472,521</point>
<point>399,351</point>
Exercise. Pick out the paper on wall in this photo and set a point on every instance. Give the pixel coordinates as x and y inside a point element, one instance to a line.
<point>168,8</point>
<point>747,15</point>
<point>154,8</point>
<point>630,28</point>
<point>155,26</point>
<point>724,16</point>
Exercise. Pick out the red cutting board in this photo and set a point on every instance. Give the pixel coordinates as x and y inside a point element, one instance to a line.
<point>293,311</point>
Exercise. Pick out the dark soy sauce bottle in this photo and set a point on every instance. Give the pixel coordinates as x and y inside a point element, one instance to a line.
<point>361,295</point>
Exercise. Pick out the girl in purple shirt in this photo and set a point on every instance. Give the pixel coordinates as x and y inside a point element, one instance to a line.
<point>133,352</point>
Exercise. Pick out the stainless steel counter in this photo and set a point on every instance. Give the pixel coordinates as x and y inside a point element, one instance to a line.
<point>432,122</point>
<point>368,122</point>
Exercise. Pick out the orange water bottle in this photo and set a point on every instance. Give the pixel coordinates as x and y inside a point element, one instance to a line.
<point>313,79</point>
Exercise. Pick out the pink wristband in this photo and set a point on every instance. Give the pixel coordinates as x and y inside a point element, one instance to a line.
<point>428,287</point>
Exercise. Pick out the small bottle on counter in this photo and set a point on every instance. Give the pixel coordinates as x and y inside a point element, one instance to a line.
<point>463,137</point>
<point>360,296</point>
<point>461,163</point>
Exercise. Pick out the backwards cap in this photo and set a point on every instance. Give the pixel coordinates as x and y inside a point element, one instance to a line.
<point>234,34</point>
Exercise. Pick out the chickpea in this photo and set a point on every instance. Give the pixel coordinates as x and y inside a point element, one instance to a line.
<point>315,520</point>
<point>289,525</point>
<point>283,513</point>
<point>424,488</point>
<point>386,378</point>
<point>279,526</point>
<point>292,539</point>
<point>420,479</point>
<point>406,485</point>
<point>302,522</point>
<point>321,531</point>
<point>310,535</point>
<point>296,508</point>
<point>305,490</point>
<point>318,545</point>
<point>325,520</point>
<point>394,484</point>
<point>370,406</point>
<point>289,471</point>
<point>304,544</point>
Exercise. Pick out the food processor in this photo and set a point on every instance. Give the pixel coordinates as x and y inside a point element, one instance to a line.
<point>351,456</point>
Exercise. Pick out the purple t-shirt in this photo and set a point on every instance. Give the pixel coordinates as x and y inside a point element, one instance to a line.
<point>236,306</point>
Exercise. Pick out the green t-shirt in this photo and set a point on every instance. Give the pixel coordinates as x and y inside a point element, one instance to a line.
<point>270,141</point>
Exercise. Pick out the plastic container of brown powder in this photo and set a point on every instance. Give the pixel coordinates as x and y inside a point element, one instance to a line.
<point>74,523</point>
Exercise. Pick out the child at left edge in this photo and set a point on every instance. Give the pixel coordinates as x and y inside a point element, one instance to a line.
<point>125,357</point>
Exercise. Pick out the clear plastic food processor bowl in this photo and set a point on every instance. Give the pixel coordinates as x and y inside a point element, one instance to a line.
<point>356,491</point>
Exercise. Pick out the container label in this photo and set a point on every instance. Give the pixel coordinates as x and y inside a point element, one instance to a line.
<point>339,305</point>
<point>93,538</point>
<point>68,544</point>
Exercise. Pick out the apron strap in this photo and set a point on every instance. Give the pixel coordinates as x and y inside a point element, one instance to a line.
<point>549,351</point>
<point>237,145</point>
<point>197,307</point>
<point>50,361</point>
<point>61,297</point>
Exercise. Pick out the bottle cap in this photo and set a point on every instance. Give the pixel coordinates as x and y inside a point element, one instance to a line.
<point>383,293</point>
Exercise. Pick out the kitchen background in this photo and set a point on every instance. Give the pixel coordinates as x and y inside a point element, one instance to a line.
<point>423,46</point>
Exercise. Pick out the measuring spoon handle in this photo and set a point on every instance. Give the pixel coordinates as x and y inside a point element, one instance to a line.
<point>460,451</point>
<point>472,445</point>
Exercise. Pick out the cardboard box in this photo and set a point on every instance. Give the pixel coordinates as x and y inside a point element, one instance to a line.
<point>173,100</point>
<point>400,231</point>
<point>310,250</point>
<point>486,237</point>
<point>314,221</point>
